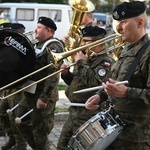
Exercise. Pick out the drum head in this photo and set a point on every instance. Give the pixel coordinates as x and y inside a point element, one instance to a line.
<point>17,56</point>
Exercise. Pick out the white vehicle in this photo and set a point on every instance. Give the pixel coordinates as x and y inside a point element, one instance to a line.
<point>28,14</point>
<point>102,19</point>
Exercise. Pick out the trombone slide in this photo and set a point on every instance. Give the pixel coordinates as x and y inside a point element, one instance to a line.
<point>98,87</point>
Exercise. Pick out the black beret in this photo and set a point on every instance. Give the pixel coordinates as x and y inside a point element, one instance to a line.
<point>91,31</point>
<point>16,26</point>
<point>5,25</point>
<point>128,10</point>
<point>47,22</point>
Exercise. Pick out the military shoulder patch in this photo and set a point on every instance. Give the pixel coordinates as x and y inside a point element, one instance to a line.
<point>102,72</point>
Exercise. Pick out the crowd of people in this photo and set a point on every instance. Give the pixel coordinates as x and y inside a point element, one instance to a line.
<point>93,67</point>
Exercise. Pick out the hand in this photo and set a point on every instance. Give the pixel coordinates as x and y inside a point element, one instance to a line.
<point>65,69</point>
<point>79,56</point>
<point>114,90</point>
<point>93,102</point>
<point>40,104</point>
<point>65,38</point>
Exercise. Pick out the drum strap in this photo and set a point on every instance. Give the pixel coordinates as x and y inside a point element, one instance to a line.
<point>132,68</point>
<point>136,61</point>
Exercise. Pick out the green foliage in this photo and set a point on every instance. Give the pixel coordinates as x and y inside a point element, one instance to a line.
<point>61,87</point>
<point>58,110</point>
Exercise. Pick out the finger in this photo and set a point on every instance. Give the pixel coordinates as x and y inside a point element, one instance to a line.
<point>111,81</point>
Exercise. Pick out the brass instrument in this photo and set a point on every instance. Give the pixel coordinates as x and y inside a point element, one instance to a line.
<point>30,35</point>
<point>32,73</point>
<point>79,8</point>
<point>116,53</point>
<point>60,56</point>
<point>119,41</point>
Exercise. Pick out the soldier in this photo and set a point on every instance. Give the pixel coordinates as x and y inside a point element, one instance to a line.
<point>87,20</point>
<point>132,101</point>
<point>15,141</point>
<point>91,69</point>
<point>36,126</point>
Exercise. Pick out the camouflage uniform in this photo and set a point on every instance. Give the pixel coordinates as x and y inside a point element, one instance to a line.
<point>36,126</point>
<point>7,122</point>
<point>86,74</point>
<point>134,110</point>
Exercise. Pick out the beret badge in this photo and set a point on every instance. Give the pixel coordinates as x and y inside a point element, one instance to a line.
<point>115,14</point>
<point>123,13</point>
<point>128,10</point>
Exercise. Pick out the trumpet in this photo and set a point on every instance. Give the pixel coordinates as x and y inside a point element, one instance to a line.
<point>60,56</point>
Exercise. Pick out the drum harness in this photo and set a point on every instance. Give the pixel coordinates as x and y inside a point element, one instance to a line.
<point>130,71</point>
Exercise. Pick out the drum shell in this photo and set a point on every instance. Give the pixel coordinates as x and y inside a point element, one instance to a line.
<point>97,133</point>
<point>17,56</point>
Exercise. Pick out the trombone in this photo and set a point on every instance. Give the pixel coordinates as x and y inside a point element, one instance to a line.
<point>60,56</point>
<point>30,35</point>
<point>51,64</point>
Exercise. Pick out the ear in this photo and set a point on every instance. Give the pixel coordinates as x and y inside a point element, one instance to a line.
<point>48,30</point>
<point>140,22</point>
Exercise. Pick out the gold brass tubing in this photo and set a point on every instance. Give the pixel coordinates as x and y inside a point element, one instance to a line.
<point>16,92</point>
<point>26,76</point>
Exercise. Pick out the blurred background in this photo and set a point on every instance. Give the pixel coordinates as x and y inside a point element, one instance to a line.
<point>27,16</point>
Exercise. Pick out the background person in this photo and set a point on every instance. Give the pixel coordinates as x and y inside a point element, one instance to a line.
<point>132,102</point>
<point>88,72</point>
<point>36,126</point>
<point>87,20</point>
<point>7,122</point>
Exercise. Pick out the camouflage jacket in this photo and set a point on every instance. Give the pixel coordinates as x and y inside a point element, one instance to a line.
<point>138,96</point>
<point>47,89</point>
<point>134,110</point>
<point>87,74</point>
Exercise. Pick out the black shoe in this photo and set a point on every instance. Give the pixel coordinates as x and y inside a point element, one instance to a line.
<point>18,147</point>
<point>11,142</point>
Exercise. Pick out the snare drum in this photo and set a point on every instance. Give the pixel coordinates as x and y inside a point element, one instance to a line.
<point>97,133</point>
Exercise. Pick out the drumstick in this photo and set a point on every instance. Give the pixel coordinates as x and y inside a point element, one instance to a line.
<point>75,104</point>
<point>98,87</point>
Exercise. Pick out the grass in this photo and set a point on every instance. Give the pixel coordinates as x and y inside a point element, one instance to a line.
<point>61,87</point>
<point>58,110</point>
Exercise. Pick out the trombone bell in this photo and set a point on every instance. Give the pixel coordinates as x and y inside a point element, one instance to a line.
<point>31,36</point>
